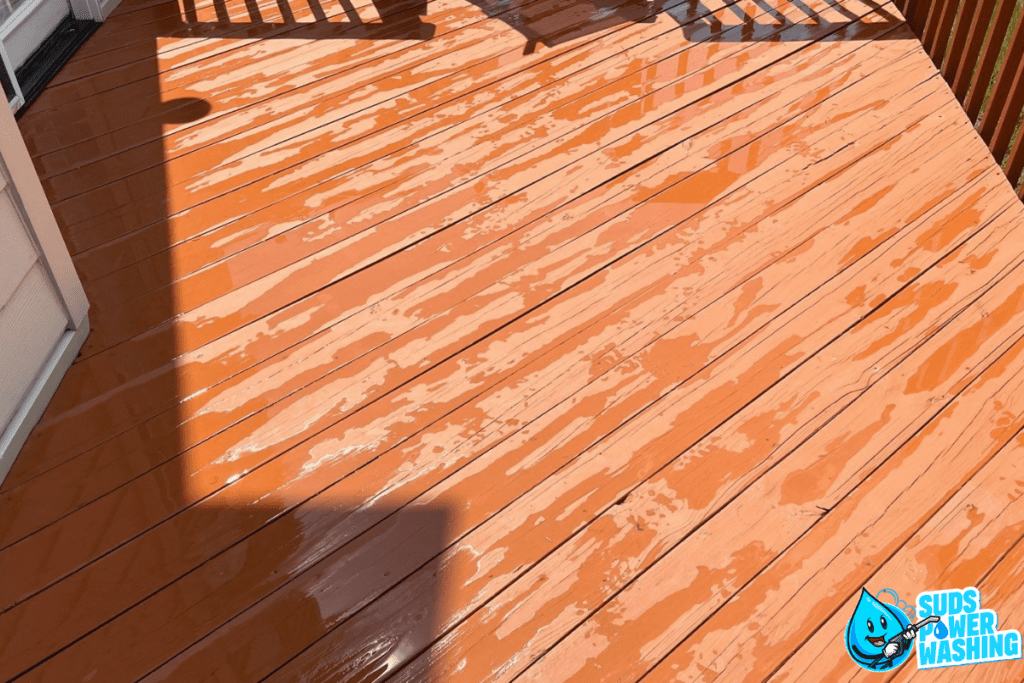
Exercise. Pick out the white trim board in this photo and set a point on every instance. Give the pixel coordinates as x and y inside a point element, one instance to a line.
<point>69,313</point>
<point>39,215</point>
<point>39,395</point>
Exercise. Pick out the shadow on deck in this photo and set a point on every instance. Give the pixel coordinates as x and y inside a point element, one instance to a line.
<point>258,559</point>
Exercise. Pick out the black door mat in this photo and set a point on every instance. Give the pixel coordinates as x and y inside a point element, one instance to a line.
<point>43,64</point>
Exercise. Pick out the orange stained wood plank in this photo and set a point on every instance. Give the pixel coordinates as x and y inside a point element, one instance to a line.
<point>416,257</point>
<point>375,107</point>
<point>352,646</point>
<point>975,539</point>
<point>298,178</point>
<point>673,47</point>
<point>361,251</point>
<point>346,641</point>
<point>537,522</point>
<point>354,211</point>
<point>508,65</point>
<point>132,16</point>
<point>171,470</point>
<point>394,30</point>
<point>951,462</point>
<point>299,69</point>
<point>180,79</point>
<point>128,37</point>
<point>1004,592</point>
<point>774,515</point>
<point>440,358</point>
<point>381,412</point>
<point>398,269</point>
<point>304,77</point>
<point>308,61</point>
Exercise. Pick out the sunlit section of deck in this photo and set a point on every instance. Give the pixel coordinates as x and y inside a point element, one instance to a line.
<point>533,340</point>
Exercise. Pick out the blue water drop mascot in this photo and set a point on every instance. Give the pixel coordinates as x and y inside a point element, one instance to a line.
<point>880,637</point>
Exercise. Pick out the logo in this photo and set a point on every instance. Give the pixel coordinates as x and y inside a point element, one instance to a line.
<point>949,628</point>
<point>880,636</point>
<point>968,634</point>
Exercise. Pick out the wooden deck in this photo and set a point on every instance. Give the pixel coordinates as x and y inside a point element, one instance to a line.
<point>532,340</point>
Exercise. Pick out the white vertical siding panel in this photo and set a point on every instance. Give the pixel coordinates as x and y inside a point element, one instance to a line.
<point>31,324</point>
<point>37,209</point>
<point>17,255</point>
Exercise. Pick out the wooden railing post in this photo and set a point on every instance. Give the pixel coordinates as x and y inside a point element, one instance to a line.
<point>959,69</point>
<point>1015,164</point>
<point>981,56</point>
<point>989,56</point>
<point>917,15</point>
<point>1007,99</point>
<point>940,23</point>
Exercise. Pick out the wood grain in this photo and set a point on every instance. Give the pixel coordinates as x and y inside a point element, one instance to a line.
<point>420,261</point>
<point>534,341</point>
<point>358,251</point>
<point>381,414</point>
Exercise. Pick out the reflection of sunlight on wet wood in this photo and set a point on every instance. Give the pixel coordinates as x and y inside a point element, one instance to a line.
<point>434,342</point>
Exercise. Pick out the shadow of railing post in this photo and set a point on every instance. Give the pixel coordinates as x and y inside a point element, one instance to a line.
<point>399,20</point>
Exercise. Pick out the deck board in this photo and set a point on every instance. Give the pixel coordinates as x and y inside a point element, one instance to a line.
<point>321,265</point>
<point>304,352</point>
<point>238,386</point>
<point>571,343</point>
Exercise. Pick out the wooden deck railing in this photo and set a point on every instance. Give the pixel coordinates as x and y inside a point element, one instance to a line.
<point>979,47</point>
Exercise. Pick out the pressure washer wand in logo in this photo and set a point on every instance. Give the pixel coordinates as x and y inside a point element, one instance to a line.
<point>899,644</point>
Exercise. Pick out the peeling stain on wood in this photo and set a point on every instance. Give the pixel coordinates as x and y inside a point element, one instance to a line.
<point>489,341</point>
